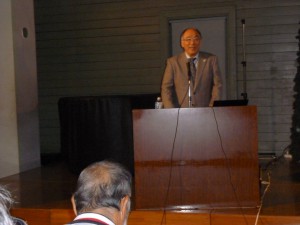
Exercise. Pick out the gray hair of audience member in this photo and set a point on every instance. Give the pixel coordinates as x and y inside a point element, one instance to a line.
<point>102,184</point>
<point>6,203</point>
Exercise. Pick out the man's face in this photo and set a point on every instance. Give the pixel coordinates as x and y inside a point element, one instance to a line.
<point>191,42</point>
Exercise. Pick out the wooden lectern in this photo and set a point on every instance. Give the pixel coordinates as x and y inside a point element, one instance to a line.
<point>196,158</point>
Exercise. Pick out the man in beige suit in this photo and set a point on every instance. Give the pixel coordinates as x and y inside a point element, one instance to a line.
<point>205,83</point>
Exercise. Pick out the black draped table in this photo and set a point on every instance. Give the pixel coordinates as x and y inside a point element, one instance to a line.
<point>98,128</point>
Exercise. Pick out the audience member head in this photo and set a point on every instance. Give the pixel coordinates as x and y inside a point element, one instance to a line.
<point>104,187</point>
<point>6,202</point>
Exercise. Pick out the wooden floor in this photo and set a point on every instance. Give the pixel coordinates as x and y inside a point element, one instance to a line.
<point>46,191</point>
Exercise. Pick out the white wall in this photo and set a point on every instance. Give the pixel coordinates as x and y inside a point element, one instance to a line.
<point>26,83</point>
<point>9,153</point>
<point>19,136</point>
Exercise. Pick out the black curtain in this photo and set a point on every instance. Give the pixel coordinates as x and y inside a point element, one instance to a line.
<point>98,128</point>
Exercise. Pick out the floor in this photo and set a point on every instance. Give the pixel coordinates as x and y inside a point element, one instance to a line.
<point>283,196</point>
<point>51,186</point>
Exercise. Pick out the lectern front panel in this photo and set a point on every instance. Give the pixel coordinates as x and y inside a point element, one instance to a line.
<point>196,158</point>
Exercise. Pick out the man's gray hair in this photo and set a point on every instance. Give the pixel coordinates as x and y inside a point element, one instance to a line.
<point>6,202</point>
<point>191,28</point>
<point>102,184</point>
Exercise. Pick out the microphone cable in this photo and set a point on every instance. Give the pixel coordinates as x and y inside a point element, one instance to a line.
<point>228,168</point>
<point>268,169</point>
<point>163,219</point>
<point>268,183</point>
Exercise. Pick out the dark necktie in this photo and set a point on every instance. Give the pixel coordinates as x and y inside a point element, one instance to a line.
<point>193,68</point>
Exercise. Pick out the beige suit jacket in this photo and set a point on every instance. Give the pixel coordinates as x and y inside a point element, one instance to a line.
<point>206,88</point>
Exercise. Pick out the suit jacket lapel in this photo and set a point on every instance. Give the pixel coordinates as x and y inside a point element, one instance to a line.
<point>200,68</point>
<point>183,62</point>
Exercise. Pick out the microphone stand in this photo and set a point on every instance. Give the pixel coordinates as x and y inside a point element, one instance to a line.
<point>189,78</point>
<point>244,94</point>
<point>190,95</point>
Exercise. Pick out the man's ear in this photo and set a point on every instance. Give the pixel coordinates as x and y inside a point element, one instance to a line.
<point>74,205</point>
<point>181,44</point>
<point>125,206</point>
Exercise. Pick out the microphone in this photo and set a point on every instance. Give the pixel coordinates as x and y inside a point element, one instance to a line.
<point>188,64</point>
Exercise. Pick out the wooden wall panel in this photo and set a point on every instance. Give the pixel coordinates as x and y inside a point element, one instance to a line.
<point>33,216</point>
<point>59,217</point>
<point>63,216</point>
<point>239,219</point>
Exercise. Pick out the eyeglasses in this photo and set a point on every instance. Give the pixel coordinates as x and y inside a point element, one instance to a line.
<point>195,39</point>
